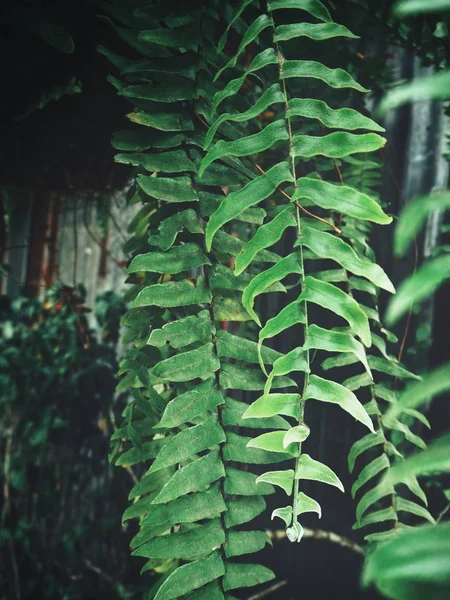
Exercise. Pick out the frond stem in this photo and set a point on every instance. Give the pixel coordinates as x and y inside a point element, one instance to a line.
<point>381,428</point>
<point>301,418</point>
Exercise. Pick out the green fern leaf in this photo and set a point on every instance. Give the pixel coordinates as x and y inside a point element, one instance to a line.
<point>169,228</point>
<point>313,7</point>
<point>272,95</point>
<point>336,145</point>
<point>306,504</point>
<point>270,405</point>
<point>189,405</point>
<point>415,509</point>
<point>379,516</point>
<point>252,144</point>
<point>266,236</point>
<point>289,316</point>
<point>187,509</point>
<point>244,483</point>
<point>261,282</point>
<point>330,297</point>
<point>188,365</point>
<point>368,441</point>
<point>254,192</point>
<point>245,575</point>
<point>329,246</point>
<point>239,348</point>
<point>261,60</point>
<point>319,32</point>
<point>370,498</point>
<point>335,341</point>
<point>191,478</point>
<point>341,118</point>
<point>190,577</point>
<point>416,288</point>
<point>370,471</point>
<point>330,391</point>
<point>237,449</point>
<point>188,442</point>
<point>172,38</point>
<point>168,189</point>
<point>162,121</point>
<point>243,510</point>
<point>245,542</point>
<point>174,293</point>
<point>282,479</point>
<point>183,332</point>
<point>255,29</point>
<point>173,161</point>
<point>341,199</point>
<point>335,78</point>
<point>173,261</point>
<point>272,442</point>
<point>184,544</point>
<point>311,469</point>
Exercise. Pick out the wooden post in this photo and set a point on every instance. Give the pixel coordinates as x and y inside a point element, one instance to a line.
<point>37,241</point>
<point>52,240</point>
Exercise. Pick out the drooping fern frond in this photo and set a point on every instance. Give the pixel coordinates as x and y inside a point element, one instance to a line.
<point>377,505</point>
<point>295,186</point>
<point>384,446</point>
<point>184,366</point>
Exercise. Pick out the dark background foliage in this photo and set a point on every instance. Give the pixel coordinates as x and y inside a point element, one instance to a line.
<point>48,148</point>
<point>61,502</point>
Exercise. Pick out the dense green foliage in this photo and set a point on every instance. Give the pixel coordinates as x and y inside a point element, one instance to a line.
<point>241,145</point>
<point>57,384</point>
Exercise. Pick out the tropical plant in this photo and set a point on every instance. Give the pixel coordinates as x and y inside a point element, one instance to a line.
<point>236,147</point>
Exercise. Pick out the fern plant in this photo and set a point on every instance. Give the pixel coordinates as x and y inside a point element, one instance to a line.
<point>234,150</point>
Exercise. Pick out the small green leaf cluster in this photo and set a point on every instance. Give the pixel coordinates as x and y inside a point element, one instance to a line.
<point>57,382</point>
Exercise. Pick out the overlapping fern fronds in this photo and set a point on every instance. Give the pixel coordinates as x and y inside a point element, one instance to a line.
<point>236,147</point>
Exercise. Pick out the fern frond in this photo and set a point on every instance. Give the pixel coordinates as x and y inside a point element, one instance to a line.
<point>313,241</point>
<point>378,505</point>
<point>183,366</point>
